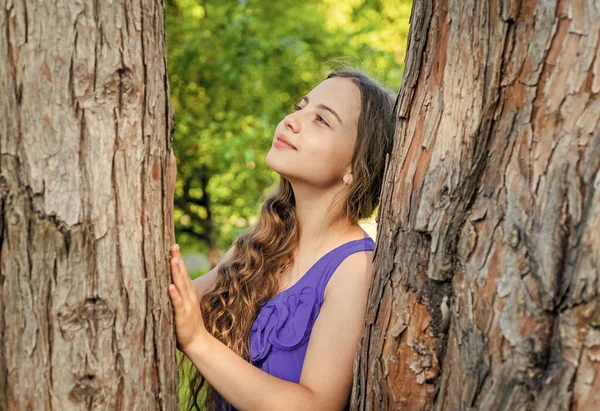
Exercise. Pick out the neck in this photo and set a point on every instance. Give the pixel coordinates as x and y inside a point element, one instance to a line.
<point>318,211</point>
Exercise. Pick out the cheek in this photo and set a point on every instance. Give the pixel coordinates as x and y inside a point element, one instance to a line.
<point>327,158</point>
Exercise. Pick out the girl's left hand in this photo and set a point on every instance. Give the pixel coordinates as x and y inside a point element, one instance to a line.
<point>189,324</point>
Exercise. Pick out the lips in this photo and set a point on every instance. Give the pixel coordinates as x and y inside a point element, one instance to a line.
<point>282,138</point>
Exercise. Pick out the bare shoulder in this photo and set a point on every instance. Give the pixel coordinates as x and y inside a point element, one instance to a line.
<point>355,271</point>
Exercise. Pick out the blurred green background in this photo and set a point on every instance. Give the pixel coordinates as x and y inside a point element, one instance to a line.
<point>236,68</point>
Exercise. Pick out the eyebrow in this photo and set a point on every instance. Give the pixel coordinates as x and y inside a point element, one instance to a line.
<point>324,107</point>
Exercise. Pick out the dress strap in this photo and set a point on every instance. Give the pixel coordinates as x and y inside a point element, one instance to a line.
<point>336,258</point>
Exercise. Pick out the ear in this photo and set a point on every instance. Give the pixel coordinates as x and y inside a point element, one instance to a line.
<point>348,178</point>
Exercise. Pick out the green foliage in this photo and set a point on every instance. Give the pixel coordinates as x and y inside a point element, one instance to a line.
<point>235,70</point>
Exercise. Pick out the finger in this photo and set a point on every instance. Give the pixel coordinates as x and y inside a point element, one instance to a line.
<point>175,297</point>
<point>177,275</point>
<point>190,288</point>
<point>175,250</point>
<point>177,253</point>
<point>182,268</point>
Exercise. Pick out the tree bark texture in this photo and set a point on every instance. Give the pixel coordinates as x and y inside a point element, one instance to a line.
<point>488,250</point>
<point>85,222</point>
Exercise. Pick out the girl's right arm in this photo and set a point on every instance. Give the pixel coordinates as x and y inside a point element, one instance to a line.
<point>206,281</point>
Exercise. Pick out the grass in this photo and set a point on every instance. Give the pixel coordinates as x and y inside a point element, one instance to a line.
<point>184,384</point>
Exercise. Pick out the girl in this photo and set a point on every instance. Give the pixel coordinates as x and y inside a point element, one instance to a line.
<point>282,314</point>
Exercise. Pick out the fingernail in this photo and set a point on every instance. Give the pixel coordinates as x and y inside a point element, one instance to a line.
<point>177,247</point>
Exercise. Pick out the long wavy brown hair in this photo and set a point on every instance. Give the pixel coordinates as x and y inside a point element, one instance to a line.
<point>249,275</point>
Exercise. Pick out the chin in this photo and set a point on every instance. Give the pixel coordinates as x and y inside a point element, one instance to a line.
<point>271,159</point>
<point>276,163</point>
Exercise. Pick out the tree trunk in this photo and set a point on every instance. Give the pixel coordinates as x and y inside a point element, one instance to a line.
<point>85,219</point>
<point>488,249</point>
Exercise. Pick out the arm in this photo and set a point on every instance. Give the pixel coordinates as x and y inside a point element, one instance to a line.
<point>207,280</point>
<point>326,377</point>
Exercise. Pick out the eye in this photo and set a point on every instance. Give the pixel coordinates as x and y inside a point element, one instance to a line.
<point>319,118</point>
<point>322,120</point>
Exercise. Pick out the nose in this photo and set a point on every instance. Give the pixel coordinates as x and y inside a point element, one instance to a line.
<point>291,122</point>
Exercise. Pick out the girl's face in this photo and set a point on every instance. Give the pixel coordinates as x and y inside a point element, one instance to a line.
<point>323,129</point>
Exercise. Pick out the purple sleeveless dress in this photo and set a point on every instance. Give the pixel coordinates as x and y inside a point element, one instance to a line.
<point>280,333</point>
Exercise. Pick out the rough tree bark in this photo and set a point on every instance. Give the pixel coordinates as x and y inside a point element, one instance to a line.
<point>488,248</point>
<point>85,219</point>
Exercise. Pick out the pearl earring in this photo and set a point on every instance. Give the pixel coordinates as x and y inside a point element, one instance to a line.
<point>346,179</point>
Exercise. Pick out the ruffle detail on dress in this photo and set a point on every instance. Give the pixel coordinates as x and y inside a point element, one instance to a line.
<point>284,322</point>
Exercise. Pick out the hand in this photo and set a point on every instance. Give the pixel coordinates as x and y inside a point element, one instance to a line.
<point>189,324</point>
